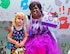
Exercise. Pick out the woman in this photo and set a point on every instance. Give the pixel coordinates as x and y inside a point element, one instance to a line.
<point>40,39</point>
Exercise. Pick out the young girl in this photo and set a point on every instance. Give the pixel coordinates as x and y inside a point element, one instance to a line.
<point>18,34</point>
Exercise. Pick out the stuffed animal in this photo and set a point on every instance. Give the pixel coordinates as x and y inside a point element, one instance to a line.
<point>18,51</point>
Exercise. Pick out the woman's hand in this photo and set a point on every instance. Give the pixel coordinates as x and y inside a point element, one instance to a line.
<point>55,14</point>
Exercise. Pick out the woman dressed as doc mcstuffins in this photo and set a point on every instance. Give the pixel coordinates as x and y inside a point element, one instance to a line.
<point>40,39</point>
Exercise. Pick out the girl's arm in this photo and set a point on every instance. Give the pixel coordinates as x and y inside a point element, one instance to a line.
<point>25,37</point>
<point>10,36</point>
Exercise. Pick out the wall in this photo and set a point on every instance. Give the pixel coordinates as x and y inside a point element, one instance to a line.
<point>8,8</point>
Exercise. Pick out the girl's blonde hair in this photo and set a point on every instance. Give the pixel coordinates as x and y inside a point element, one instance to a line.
<point>17,15</point>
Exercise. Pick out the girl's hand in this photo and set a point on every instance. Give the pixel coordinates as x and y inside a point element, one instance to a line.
<point>21,44</point>
<point>17,44</point>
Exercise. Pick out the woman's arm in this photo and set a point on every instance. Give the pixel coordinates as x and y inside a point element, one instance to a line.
<point>50,19</point>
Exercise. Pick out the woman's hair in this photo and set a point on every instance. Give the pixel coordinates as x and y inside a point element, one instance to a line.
<point>34,3</point>
<point>17,15</point>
